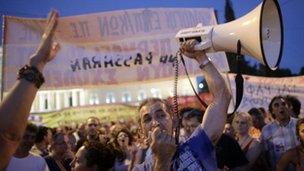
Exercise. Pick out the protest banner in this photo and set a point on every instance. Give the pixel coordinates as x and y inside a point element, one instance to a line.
<point>75,115</point>
<point>106,48</point>
<point>258,91</point>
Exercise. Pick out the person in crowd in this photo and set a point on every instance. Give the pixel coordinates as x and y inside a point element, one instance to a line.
<point>23,159</point>
<point>252,148</point>
<point>156,119</point>
<point>294,158</point>
<point>267,116</point>
<point>191,119</point>
<point>80,135</point>
<point>92,127</point>
<point>42,142</point>
<point>294,105</point>
<point>125,148</point>
<point>94,156</point>
<point>61,156</point>
<point>228,130</point>
<point>13,120</point>
<point>103,136</point>
<point>92,131</point>
<point>279,135</point>
<point>229,154</point>
<point>257,122</point>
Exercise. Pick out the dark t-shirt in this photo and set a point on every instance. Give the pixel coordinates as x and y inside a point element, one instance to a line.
<point>53,165</point>
<point>229,153</point>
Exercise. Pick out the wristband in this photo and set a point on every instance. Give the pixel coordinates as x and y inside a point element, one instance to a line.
<point>31,74</point>
<point>204,63</point>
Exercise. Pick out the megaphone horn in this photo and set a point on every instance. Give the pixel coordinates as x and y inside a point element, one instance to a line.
<point>260,32</point>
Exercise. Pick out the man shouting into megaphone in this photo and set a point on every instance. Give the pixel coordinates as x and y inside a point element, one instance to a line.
<point>157,124</point>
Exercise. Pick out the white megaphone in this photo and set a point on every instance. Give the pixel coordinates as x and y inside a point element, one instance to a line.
<point>260,33</point>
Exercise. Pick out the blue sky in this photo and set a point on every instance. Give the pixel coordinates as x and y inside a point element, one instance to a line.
<point>292,11</point>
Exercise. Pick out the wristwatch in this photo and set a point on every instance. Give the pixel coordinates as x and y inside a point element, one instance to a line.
<point>31,74</point>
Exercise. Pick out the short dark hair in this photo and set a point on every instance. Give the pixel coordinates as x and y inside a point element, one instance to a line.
<point>101,155</point>
<point>189,112</point>
<point>151,101</point>
<point>255,112</point>
<point>41,133</point>
<point>56,136</point>
<point>295,103</point>
<point>31,127</point>
<point>271,102</point>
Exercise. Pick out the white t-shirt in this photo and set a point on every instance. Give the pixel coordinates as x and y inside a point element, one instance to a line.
<point>32,162</point>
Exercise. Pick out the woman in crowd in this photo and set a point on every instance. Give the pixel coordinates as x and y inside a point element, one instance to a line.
<point>242,123</point>
<point>124,147</point>
<point>294,158</point>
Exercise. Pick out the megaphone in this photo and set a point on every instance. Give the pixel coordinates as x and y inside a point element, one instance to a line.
<point>260,33</point>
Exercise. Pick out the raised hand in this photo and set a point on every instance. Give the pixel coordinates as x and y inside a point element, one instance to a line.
<point>163,145</point>
<point>187,48</point>
<point>47,49</point>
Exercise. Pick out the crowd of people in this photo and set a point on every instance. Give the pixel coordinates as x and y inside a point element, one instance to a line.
<point>258,139</point>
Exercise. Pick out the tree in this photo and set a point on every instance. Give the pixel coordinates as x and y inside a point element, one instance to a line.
<point>301,71</point>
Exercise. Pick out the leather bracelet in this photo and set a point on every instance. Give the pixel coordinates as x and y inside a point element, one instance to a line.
<point>31,74</point>
<point>205,62</point>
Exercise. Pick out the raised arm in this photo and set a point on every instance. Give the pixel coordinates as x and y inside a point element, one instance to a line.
<point>215,115</point>
<point>15,108</point>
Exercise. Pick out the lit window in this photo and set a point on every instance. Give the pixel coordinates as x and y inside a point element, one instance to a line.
<point>126,97</point>
<point>45,102</point>
<point>155,93</point>
<point>141,95</point>
<point>110,98</point>
<point>70,99</point>
<point>94,99</point>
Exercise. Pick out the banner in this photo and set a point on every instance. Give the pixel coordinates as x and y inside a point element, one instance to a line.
<point>70,116</point>
<point>258,91</point>
<point>106,48</point>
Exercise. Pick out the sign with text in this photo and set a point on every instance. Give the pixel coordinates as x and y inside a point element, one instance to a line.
<point>106,48</point>
<point>76,115</point>
<point>258,91</point>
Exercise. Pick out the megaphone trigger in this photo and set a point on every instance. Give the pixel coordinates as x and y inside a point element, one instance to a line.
<point>203,45</point>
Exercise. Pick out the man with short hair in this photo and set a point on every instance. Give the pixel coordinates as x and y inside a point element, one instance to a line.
<point>61,156</point>
<point>92,134</point>
<point>92,126</point>
<point>279,135</point>
<point>191,119</point>
<point>228,151</point>
<point>43,140</point>
<point>294,105</point>
<point>157,122</point>
<point>23,159</point>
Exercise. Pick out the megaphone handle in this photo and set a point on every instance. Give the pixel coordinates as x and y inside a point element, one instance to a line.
<point>239,80</point>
